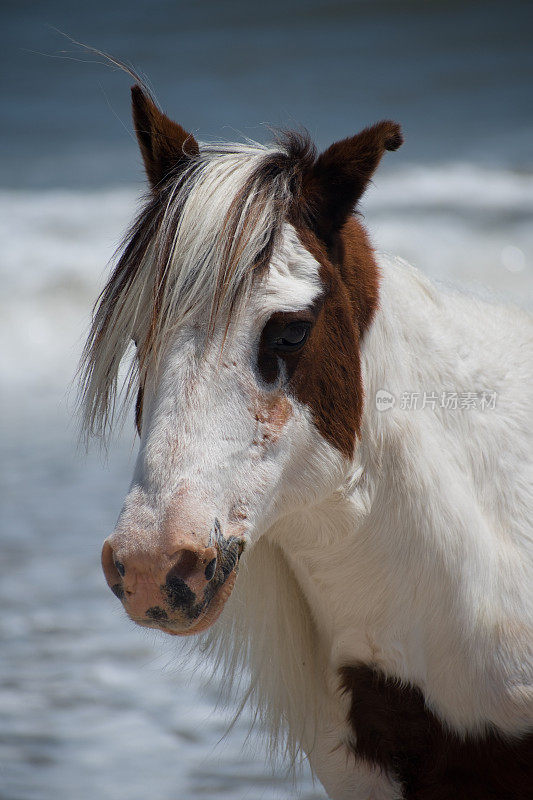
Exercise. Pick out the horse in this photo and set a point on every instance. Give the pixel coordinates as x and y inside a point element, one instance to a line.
<point>333,485</point>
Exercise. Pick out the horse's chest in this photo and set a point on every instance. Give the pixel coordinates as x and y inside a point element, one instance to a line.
<point>394,729</point>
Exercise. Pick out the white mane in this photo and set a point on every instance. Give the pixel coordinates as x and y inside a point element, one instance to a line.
<point>266,639</point>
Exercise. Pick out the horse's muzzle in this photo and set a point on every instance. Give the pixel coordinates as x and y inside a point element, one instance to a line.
<point>182,593</point>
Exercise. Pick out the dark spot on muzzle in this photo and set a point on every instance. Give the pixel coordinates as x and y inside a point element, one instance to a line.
<point>178,593</point>
<point>156,612</point>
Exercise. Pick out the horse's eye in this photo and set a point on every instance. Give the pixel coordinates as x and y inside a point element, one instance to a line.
<point>292,337</point>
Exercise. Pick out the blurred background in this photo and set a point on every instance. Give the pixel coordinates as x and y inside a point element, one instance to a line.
<point>91,707</point>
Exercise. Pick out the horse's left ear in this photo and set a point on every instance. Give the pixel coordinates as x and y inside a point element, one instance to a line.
<point>164,144</point>
<point>340,175</point>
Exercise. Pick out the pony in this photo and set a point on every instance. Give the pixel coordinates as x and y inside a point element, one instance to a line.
<point>333,485</point>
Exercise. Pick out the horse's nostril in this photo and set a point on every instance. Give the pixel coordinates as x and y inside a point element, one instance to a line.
<point>186,563</point>
<point>118,591</point>
<point>120,568</point>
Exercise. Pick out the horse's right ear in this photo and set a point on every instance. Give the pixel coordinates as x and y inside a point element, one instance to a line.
<point>340,175</point>
<point>165,145</point>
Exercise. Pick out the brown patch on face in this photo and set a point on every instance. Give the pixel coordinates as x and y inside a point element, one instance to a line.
<point>325,374</point>
<point>353,256</point>
<point>395,730</point>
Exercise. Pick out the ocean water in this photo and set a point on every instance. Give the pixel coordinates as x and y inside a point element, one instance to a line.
<point>91,706</point>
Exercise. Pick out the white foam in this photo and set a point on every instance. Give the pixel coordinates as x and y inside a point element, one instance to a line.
<point>459,223</point>
<point>454,186</point>
<point>55,247</point>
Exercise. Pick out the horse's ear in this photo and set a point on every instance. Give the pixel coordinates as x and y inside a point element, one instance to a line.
<point>341,174</point>
<point>164,144</point>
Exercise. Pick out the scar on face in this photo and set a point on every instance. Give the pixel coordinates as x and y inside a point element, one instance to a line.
<point>271,412</point>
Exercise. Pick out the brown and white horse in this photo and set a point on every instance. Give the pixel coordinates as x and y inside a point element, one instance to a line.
<point>334,474</point>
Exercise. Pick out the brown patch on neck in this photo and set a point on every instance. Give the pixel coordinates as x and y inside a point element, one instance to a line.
<point>395,730</point>
<point>326,374</point>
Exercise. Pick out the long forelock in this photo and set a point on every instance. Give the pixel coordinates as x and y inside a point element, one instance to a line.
<point>192,251</point>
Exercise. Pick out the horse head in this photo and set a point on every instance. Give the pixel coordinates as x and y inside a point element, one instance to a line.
<point>246,284</point>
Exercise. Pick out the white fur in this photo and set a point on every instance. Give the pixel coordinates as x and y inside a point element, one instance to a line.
<point>293,281</point>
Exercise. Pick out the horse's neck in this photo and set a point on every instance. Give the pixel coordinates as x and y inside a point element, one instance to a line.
<point>416,564</point>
